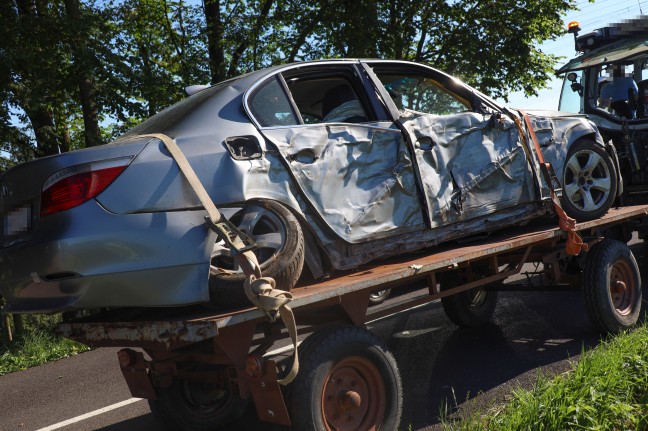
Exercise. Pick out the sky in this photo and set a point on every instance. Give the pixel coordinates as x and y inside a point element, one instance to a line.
<point>590,16</point>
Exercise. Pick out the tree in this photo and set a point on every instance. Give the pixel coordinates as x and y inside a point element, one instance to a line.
<point>491,45</point>
<point>33,65</point>
<point>160,47</point>
<point>116,62</point>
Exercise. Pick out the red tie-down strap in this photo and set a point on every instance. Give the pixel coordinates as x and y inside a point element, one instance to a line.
<point>574,241</point>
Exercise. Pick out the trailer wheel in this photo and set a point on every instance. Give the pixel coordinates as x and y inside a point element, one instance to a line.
<point>348,381</point>
<point>612,286</point>
<point>470,308</point>
<point>280,252</point>
<point>196,405</point>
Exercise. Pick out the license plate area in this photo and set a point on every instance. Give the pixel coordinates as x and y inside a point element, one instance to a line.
<point>17,222</point>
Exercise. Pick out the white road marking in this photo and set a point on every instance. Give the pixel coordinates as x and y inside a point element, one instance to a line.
<point>89,415</point>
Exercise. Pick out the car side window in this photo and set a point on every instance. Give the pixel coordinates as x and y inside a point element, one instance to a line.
<point>422,94</point>
<point>270,105</point>
<point>327,99</point>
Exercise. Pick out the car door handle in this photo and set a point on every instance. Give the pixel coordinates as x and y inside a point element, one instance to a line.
<point>426,143</point>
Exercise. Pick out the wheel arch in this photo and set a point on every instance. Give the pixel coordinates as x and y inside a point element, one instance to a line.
<point>316,258</point>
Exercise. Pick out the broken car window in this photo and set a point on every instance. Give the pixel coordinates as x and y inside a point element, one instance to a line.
<point>422,94</point>
<point>270,105</point>
<point>327,99</point>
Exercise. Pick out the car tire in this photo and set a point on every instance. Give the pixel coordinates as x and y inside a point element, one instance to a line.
<point>196,405</point>
<point>589,181</point>
<point>280,252</point>
<point>611,284</point>
<point>348,380</point>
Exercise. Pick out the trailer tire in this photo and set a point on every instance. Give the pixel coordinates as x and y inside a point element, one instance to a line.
<point>611,284</point>
<point>191,405</point>
<point>589,181</point>
<point>283,262</point>
<point>470,308</point>
<point>348,380</point>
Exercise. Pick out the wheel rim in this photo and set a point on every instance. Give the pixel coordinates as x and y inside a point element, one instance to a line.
<point>378,295</point>
<point>353,397</point>
<point>588,180</point>
<point>267,230</point>
<point>622,287</point>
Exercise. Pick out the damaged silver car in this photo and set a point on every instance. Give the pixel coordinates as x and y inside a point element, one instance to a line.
<point>327,165</point>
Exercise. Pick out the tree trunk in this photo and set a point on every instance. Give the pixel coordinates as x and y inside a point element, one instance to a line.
<point>19,326</point>
<point>92,132</point>
<point>6,336</point>
<point>215,35</point>
<point>44,131</point>
<point>361,28</point>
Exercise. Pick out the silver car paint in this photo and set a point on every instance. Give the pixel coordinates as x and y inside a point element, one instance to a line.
<point>557,130</point>
<point>470,165</point>
<point>359,178</point>
<point>160,255</point>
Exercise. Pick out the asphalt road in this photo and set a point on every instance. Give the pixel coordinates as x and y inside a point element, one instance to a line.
<point>441,365</point>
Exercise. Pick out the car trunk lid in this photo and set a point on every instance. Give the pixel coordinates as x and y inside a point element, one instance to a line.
<point>21,187</point>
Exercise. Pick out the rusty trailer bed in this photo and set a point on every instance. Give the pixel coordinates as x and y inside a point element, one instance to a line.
<point>347,293</point>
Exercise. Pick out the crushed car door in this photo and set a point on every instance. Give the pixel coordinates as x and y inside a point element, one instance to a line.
<point>353,169</point>
<point>470,164</point>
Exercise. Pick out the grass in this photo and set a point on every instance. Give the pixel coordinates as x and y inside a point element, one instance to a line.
<point>37,345</point>
<point>607,389</point>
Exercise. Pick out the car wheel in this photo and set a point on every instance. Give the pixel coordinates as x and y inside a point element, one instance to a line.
<point>589,181</point>
<point>280,252</point>
<point>379,297</point>
<point>611,283</point>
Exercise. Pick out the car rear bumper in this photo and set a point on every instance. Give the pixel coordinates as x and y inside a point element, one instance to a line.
<point>89,258</point>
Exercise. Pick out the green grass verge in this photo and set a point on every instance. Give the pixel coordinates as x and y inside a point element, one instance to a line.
<point>607,389</point>
<point>38,345</point>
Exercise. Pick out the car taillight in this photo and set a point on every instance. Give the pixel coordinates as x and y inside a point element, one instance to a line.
<point>73,186</point>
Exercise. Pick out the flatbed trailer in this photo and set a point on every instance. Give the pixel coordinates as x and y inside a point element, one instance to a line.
<point>199,368</point>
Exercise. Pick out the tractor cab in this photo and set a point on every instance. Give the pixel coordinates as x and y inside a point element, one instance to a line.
<point>608,81</point>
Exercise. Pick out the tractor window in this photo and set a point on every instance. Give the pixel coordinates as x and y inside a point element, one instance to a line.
<point>571,94</point>
<point>617,90</point>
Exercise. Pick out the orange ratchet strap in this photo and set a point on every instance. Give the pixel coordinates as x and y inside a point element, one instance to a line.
<point>574,241</point>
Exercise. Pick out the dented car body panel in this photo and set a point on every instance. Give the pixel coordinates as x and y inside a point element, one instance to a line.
<point>364,183</point>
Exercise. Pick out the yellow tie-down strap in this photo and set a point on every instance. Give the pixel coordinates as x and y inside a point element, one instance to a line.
<point>574,243</point>
<point>260,290</point>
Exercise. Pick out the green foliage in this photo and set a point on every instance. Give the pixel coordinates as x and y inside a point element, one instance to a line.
<point>37,346</point>
<point>113,63</point>
<point>606,390</point>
